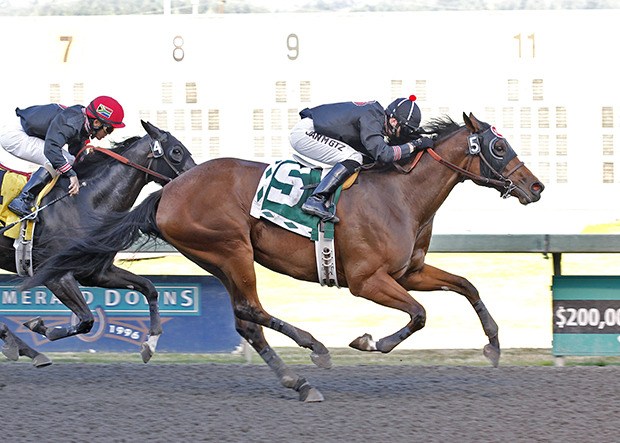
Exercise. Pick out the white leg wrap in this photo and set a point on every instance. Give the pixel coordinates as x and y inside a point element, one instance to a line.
<point>152,342</point>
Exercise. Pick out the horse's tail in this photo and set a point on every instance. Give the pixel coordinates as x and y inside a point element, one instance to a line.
<point>94,252</point>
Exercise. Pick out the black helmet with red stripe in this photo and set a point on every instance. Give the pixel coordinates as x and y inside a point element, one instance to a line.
<point>107,110</point>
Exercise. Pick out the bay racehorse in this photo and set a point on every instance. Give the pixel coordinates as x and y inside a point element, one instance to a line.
<point>385,228</point>
<point>111,181</point>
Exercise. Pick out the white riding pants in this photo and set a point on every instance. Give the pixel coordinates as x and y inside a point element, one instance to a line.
<point>318,147</point>
<point>15,141</point>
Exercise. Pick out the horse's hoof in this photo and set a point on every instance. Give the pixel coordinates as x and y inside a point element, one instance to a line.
<point>492,353</point>
<point>41,361</point>
<point>11,352</point>
<point>145,352</point>
<point>311,395</point>
<point>323,361</point>
<point>35,325</point>
<point>364,343</point>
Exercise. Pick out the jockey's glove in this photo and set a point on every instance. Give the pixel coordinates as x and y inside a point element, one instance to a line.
<point>420,144</point>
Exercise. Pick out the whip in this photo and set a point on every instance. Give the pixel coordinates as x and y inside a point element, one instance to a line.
<point>34,213</point>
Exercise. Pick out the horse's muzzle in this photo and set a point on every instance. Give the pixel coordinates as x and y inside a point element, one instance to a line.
<point>532,195</point>
<point>527,195</point>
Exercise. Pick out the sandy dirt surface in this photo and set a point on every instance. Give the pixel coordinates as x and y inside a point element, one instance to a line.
<point>128,402</point>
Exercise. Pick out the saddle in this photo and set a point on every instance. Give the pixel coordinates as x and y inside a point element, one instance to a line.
<point>11,184</point>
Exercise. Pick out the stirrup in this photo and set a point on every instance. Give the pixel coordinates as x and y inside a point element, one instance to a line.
<point>324,215</point>
<point>20,207</point>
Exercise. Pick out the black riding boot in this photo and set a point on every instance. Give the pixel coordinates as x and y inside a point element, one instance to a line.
<point>316,203</point>
<point>23,203</point>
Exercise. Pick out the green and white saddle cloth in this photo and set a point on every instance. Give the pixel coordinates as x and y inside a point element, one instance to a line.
<point>283,188</point>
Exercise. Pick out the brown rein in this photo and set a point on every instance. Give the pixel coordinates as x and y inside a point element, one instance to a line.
<point>123,160</point>
<point>464,172</point>
<point>504,182</point>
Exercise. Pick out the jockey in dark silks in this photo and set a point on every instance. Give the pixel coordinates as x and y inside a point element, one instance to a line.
<point>347,135</point>
<point>43,131</point>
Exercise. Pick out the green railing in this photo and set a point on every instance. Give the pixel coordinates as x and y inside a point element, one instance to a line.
<point>554,244</point>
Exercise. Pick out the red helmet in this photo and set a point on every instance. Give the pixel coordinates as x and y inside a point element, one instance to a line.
<point>106,110</point>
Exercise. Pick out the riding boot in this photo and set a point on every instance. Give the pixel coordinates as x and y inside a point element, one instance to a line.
<point>23,203</point>
<point>316,203</point>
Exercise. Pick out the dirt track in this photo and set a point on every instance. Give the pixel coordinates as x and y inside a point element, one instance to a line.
<point>130,402</point>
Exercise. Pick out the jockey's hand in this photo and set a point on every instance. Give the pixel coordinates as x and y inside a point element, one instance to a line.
<point>74,185</point>
<point>423,143</point>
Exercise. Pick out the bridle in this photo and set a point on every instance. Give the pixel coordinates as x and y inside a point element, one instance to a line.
<point>476,143</point>
<point>156,152</point>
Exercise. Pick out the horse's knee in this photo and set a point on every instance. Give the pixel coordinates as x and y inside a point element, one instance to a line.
<point>85,326</point>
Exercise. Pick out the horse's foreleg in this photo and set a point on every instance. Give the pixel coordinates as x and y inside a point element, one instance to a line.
<point>430,278</point>
<point>68,292</point>
<point>14,347</point>
<point>120,278</point>
<point>383,289</point>
<point>492,349</point>
<point>253,334</point>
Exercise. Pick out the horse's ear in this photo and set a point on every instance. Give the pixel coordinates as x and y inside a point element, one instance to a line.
<point>472,123</point>
<point>151,130</point>
<point>146,125</point>
<point>468,122</point>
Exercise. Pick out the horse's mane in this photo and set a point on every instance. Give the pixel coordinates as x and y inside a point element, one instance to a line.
<point>440,127</point>
<point>89,164</point>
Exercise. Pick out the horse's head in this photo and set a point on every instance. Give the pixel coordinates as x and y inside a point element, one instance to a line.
<point>169,157</point>
<point>498,166</point>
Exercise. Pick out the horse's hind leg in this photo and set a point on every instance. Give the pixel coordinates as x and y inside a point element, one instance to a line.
<point>430,278</point>
<point>253,334</point>
<point>11,347</point>
<point>120,278</point>
<point>14,347</point>
<point>233,264</point>
<point>240,281</point>
<point>256,314</point>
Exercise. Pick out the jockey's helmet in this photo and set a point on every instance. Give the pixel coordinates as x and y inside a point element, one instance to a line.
<point>107,110</point>
<point>407,114</point>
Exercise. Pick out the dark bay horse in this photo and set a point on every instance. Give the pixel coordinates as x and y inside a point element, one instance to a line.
<point>112,180</point>
<point>381,241</point>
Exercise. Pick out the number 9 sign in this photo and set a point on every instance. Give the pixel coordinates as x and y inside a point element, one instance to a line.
<point>292,43</point>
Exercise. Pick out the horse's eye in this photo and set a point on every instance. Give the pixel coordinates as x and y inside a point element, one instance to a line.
<point>499,149</point>
<point>176,154</point>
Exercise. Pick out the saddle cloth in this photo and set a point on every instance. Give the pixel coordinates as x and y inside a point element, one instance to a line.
<point>11,184</point>
<point>283,188</point>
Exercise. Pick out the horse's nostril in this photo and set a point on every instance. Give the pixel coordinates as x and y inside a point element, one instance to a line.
<point>537,188</point>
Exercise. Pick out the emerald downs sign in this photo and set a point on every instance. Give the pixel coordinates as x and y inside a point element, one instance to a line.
<point>195,311</point>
